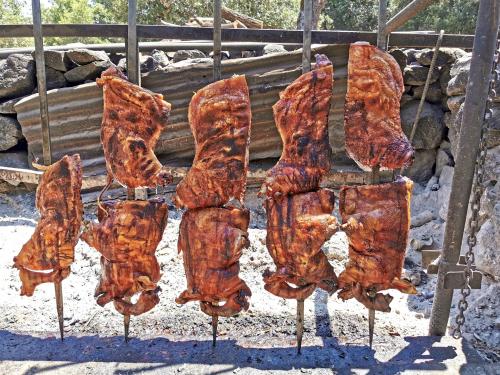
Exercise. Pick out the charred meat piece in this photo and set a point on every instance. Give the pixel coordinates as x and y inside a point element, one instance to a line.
<point>127,236</point>
<point>373,135</point>
<point>212,240</point>
<point>52,246</point>
<point>220,119</point>
<point>297,226</point>
<point>132,122</point>
<point>301,116</point>
<point>377,243</point>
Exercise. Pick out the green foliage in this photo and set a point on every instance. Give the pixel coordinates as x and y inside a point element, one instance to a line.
<point>11,12</point>
<point>350,15</point>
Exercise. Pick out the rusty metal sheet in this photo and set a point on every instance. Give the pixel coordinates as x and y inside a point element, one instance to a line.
<point>75,112</point>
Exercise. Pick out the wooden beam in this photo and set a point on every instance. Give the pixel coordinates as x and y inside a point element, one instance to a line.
<point>251,23</point>
<point>407,13</point>
<point>400,39</point>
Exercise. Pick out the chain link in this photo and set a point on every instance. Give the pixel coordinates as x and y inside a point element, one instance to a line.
<point>475,206</point>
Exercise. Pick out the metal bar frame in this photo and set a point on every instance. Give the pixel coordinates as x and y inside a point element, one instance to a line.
<point>382,19</point>
<point>217,39</point>
<point>468,148</point>
<point>306,36</point>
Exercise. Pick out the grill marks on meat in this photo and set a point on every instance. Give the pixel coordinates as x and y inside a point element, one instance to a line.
<point>51,247</point>
<point>133,120</point>
<point>297,227</point>
<point>127,236</point>
<point>220,119</point>
<point>301,116</point>
<point>212,240</point>
<point>377,243</point>
<point>373,135</point>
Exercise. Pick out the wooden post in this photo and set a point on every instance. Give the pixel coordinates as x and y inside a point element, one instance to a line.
<point>217,39</point>
<point>306,37</point>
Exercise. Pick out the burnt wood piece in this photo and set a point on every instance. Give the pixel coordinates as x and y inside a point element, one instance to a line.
<point>377,242</point>
<point>132,122</point>
<point>51,247</point>
<point>220,119</point>
<point>297,226</point>
<point>373,134</point>
<point>127,236</point>
<point>301,116</point>
<point>212,240</point>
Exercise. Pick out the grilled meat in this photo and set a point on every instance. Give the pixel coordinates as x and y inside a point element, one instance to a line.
<point>377,243</point>
<point>51,247</point>
<point>220,119</point>
<point>373,135</point>
<point>297,226</point>
<point>212,240</point>
<point>127,236</point>
<point>132,122</point>
<point>301,116</point>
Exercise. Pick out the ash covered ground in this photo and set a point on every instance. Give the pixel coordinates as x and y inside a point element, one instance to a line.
<point>175,338</point>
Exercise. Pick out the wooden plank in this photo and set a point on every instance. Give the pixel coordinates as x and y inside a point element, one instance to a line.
<point>217,38</point>
<point>41,82</point>
<point>248,21</point>
<point>306,36</point>
<point>132,45</point>
<point>382,19</point>
<point>407,13</point>
<point>400,39</point>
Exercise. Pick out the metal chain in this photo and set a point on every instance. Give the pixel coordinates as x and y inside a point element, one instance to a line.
<point>475,205</point>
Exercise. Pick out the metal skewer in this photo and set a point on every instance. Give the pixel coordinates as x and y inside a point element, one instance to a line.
<point>300,324</point>
<point>126,322</point>
<point>371,317</point>
<point>215,323</point>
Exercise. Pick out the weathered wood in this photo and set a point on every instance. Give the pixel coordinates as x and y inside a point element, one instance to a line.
<point>217,39</point>
<point>382,19</point>
<point>251,23</point>
<point>133,73</point>
<point>41,81</point>
<point>400,39</point>
<point>306,36</point>
<point>407,13</point>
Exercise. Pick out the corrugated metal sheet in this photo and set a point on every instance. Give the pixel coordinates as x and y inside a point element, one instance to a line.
<point>75,113</point>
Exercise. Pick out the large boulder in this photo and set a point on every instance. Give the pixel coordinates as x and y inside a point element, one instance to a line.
<point>185,54</point>
<point>445,181</point>
<point>416,75</point>
<point>494,131</point>
<point>454,102</point>
<point>423,166</point>
<point>487,255</point>
<point>156,61</point>
<point>430,127</point>
<point>17,76</point>
<point>444,78</point>
<point>434,93</point>
<point>400,57</point>
<point>57,60</point>
<point>445,56</point>
<point>7,107</point>
<point>87,72</point>
<point>443,157</point>
<point>459,73</point>
<point>273,48</point>
<point>86,56</point>
<point>55,78</point>
<point>10,132</point>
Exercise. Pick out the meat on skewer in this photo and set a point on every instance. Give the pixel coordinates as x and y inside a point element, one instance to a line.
<point>212,240</point>
<point>220,119</point>
<point>127,236</point>
<point>301,116</point>
<point>297,226</point>
<point>132,122</point>
<point>377,242</point>
<point>51,247</point>
<point>373,135</point>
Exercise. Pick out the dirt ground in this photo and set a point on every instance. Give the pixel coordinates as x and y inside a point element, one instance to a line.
<point>177,339</point>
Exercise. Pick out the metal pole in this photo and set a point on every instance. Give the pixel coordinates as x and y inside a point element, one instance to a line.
<point>306,36</point>
<point>217,39</point>
<point>407,13</point>
<point>382,18</point>
<point>468,148</point>
<point>41,82</point>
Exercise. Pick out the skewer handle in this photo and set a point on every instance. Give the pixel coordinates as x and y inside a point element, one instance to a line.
<point>300,324</point>
<point>60,307</point>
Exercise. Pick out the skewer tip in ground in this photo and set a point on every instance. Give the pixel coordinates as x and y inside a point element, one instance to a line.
<point>126,326</point>
<point>215,322</point>
<point>371,316</point>
<point>60,307</point>
<point>300,324</point>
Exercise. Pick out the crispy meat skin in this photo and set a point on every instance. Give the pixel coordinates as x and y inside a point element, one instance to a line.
<point>297,227</point>
<point>212,240</point>
<point>127,236</point>
<point>220,119</point>
<point>132,122</point>
<point>377,243</point>
<point>301,116</point>
<point>51,247</point>
<point>373,135</point>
